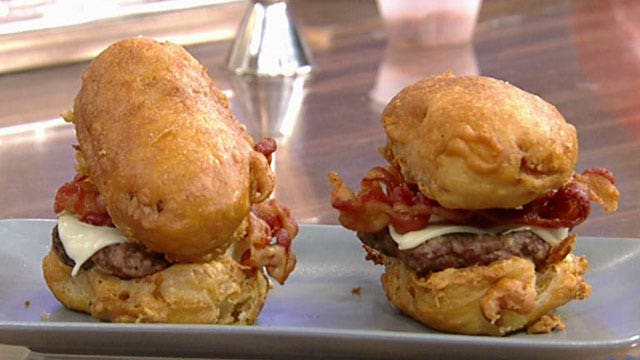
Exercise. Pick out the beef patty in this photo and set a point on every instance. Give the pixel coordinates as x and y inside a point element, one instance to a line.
<point>126,260</point>
<point>461,249</point>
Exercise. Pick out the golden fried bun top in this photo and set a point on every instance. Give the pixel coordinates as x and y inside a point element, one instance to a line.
<point>475,142</point>
<point>177,171</point>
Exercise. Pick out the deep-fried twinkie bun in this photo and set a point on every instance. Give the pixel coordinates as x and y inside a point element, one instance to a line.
<point>474,142</point>
<point>176,169</point>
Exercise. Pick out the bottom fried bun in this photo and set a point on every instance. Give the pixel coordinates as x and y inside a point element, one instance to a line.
<point>504,296</point>
<point>215,292</point>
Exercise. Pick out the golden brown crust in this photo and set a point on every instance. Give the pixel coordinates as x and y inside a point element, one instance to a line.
<point>215,292</point>
<point>176,169</point>
<point>475,142</point>
<point>502,297</point>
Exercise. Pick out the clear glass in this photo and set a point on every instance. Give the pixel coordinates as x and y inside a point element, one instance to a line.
<point>429,22</point>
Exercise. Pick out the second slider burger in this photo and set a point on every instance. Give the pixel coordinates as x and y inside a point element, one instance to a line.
<point>168,218</point>
<point>472,219</point>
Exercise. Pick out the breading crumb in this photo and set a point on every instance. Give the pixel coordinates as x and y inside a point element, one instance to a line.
<point>546,324</point>
<point>357,291</point>
<point>27,303</point>
<point>45,317</point>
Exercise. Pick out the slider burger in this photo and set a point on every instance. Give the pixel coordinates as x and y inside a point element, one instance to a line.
<point>472,219</point>
<point>168,217</point>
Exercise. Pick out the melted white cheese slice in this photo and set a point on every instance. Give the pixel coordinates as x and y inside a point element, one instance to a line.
<point>82,240</point>
<point>412,239</point>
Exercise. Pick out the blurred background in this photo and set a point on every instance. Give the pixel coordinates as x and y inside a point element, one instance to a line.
<point>582,55</point>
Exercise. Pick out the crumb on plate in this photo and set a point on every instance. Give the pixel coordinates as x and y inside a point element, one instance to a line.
<point>546,324</point>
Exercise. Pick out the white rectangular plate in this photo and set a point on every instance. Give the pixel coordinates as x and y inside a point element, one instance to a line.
<point>318,313</point>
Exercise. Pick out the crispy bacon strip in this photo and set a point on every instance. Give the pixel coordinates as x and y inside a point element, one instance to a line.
<point>566,207</point>
<point>270,234</point>
<point>383,199</point>
<point>386,199</point>
<point>81,197</point>
<point>602,187</point>
<point>266,146</point>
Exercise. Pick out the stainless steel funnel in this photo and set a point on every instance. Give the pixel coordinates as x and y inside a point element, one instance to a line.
<point>267,42</point>
<point>270,106</point>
